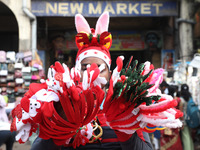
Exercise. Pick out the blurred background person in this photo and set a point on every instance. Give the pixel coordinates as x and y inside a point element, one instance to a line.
<point>59,52</point>
<point>56,52</point>
<point>155,136</point>
<point>185,96</point>
<point>164,87</point>
<point>170,138</point>
<point>6,136</point>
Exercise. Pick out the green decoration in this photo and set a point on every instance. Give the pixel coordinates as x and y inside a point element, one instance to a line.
<point>134,89</point>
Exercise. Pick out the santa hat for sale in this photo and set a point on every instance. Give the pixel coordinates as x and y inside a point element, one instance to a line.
<point>93,42</point>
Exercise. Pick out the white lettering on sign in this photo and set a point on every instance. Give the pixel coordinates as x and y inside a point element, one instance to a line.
<point>133,8</point>
<point>146,8</point>
<point>157,5</point>
<point>76,8</point>
<point>51,8</point>
<point>121,8</point>
<point>109,8</point>
<point>64,8</point>
<point>97,10</point>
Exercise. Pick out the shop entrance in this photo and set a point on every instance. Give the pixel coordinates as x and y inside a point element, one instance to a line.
<point>8,29</point>
<point>128,34</point>
<point>137,55</point>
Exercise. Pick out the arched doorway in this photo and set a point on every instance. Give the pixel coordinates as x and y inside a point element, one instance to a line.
<point>8,30</point>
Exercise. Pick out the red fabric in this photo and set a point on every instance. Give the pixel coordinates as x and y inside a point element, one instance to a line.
<point>161,108</point>
<point>17,111</point>
<point>140,134</point>
<point>102,119</point>
<point>74,92</point>
<point>79,112</point>
<point>25,103</point>
<point>122,137</point>
<point>35,87</point>
<point>13,125</point>
<point>58,67</point>
<point>93,43</point>
<point>171,142</point>
<point>47,109</point>
<point>20,141</point>
<point>105,51</point>
<point>119,63</point>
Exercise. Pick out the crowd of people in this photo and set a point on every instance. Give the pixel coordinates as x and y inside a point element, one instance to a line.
<point>185,138</point>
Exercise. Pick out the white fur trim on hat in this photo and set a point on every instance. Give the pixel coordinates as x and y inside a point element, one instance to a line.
<point>92,53</point>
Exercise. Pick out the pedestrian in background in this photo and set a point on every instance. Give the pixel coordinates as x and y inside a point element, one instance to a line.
<point>58,51</point>
<point>185,95</point>
<point>6,136</point>
<point>56,47</point>
<point>170,138</point>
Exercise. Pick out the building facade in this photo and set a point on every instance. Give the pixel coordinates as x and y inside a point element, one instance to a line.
<point>144,29</point>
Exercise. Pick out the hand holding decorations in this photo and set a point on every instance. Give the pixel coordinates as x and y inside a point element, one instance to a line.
<point>133,100</point>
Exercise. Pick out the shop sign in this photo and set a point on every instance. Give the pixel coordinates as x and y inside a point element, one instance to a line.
<point>127,41</point>
<point>95,8</point>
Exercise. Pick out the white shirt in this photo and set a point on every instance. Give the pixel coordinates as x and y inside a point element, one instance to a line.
<point>4,122</point>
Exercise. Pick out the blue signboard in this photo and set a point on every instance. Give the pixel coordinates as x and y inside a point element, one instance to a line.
<point>95,8</point>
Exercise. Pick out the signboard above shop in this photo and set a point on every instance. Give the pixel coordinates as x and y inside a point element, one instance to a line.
<point>91,8</point>
<point>121,40</point>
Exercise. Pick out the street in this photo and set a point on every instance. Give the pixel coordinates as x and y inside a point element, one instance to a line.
<point>18,146</point>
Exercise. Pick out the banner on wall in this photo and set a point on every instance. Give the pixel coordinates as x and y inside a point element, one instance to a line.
<point>121,40</point>
<point>151,8</point>
<point>127,41</point>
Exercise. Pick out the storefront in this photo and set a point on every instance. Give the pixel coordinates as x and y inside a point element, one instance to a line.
<point>144,29</point>
<point>139,28</point>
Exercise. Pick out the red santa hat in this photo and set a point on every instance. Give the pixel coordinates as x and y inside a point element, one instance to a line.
<point>93,42</point>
